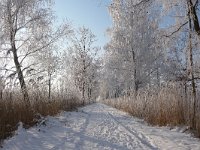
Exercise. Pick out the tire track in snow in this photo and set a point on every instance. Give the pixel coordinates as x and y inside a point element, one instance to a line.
<point>98,127</point>
<point>106,125</point>
<point>141,137</point>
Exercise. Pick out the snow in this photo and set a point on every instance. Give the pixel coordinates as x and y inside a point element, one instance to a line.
<point>98,126</point>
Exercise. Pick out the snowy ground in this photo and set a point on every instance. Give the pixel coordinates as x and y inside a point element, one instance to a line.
<point>98,126</point>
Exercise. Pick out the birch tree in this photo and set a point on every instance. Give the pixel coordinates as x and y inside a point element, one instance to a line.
<point>83,55</point>
<point>185,24</point>
<point>131,55</point>
<point>26,28</point>
<point>48,66</point>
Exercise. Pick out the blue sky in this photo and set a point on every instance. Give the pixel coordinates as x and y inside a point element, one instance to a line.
<point>90,13</point>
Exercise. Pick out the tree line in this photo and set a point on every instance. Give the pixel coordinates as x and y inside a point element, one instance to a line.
<point>149,67</point>
<point>154,48</point>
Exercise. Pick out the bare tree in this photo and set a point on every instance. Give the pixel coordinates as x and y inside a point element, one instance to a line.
<point>83,58</point>
<point>191,61</point>
<point>131,58</point>
<point>48,65</point>
<point>26,26</point>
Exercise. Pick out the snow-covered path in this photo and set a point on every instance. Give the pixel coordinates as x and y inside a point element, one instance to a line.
<point>98,126</point>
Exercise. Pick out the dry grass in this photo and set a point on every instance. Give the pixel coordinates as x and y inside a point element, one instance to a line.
<point>13,111</point>
<point>168,105</point>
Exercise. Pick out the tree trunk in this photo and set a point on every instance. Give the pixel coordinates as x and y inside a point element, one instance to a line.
<point>89,94</point>
<point>133,57</point>
<point>193,16</point>
<point>186,102</point>
<point>21,78</point>
<point>12,24</point>
<point>191,71</point>
<point>1,94</point>
<point>83,93</point>
<point>49,87</point>
<point>135,72</point>
<point>133,53</point>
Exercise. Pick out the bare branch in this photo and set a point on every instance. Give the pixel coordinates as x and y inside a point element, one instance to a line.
<point>177,30</point>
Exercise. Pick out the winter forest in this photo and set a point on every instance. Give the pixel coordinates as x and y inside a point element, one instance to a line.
<point>149,67</point>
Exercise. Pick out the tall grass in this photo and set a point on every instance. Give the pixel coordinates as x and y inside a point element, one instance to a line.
<point>13,110</point>
<point>168,105</point>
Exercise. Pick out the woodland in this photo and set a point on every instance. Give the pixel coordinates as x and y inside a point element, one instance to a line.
<point>150,67</point>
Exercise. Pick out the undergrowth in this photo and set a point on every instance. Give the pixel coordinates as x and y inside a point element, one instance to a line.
<point>13,110</point>
<point>168,105</point>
